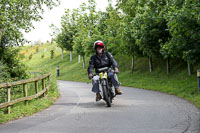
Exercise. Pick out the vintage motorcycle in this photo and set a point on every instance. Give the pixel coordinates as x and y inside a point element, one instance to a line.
<point>106,85</point>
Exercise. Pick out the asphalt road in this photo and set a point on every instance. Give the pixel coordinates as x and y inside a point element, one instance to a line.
<point>136,111</point>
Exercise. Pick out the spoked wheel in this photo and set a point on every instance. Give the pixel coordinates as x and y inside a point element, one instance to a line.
<point>106,95</point>
<point>111,96</point>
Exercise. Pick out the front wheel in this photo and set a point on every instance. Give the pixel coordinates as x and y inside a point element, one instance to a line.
<point>106,95</point>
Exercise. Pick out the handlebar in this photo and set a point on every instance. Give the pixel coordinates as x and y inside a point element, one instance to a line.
<point>108,69</point>
<point>103,69</point>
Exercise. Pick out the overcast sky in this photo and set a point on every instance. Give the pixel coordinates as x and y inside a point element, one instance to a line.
<point>42,30</point>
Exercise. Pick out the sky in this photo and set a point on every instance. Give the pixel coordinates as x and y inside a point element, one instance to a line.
<point>42,30</point>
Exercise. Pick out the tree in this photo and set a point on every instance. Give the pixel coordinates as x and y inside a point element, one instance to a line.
<point>55,35</point>
<point>150,29</point>
<point>17,16</point>
<point>183,24</point>
<point>82,34</point>
<point>129,45</point>
<point>113,29</point>
<point>92,22</point>
<point>86,29</point>
<point>68,30</point>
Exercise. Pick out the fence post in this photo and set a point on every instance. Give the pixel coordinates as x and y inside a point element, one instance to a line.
<point>43,87</point>
<point>25,92</point>
<point>36,87</point>
<point>8,99</point>
<point>48,81</point>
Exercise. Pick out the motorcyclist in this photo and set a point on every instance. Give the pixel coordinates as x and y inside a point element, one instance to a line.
<point>102,59</point>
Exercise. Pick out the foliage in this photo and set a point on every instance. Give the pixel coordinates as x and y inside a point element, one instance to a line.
<point>153,28</point>
<point>16,16</point>
<point>37,50</point>
<point>64,37</point>
<point>85,28</point>
<point>4,74</point>
<point>30,56</point>
<point>10,58</point>
<point>112,29</point>
<point>150,28</point>
<point>52,53</point>
<point>183,24</point>
<point>42,56</point>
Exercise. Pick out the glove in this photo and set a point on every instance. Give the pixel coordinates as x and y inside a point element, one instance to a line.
<point>90,76</point>
<point>116,70</point>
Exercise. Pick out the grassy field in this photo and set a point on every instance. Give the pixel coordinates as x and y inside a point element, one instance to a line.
<point>176,83</point>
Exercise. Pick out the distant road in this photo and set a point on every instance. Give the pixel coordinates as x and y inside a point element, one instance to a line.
<point>136,111</point>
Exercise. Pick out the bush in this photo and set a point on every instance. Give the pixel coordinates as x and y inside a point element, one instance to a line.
<point>42,56</point>
<point>11,65</point>
<point>37,49</point>
<point>4,74</point>
<point>52,53</point>
<point>30,57</point>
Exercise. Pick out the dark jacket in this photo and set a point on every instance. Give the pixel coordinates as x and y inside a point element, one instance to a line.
<point>107,60</point>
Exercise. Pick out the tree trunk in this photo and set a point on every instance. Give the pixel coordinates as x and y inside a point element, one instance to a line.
<point>62,54</point>
<point>150,64</point>
<point>190,68</point>
<point>168,65</point>
<point>132,64</point>
<point>70,55</point>
<point>83,62</point>
<point>79,58</point>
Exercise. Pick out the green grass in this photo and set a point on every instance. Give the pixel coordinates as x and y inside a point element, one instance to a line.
<point>176,83</point>
<point>20,110</point>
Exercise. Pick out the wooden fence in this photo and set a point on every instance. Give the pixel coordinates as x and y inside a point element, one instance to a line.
<point>24,83</point>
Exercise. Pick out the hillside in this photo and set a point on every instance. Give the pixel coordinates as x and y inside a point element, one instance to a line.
<point>176,83</point>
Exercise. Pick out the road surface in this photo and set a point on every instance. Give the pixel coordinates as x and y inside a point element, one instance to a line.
<point>136,111</point>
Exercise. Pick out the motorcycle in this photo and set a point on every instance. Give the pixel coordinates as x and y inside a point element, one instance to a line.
<point>106,85</point>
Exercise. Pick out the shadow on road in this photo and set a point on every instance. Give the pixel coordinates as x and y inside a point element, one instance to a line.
<point>93,104</point>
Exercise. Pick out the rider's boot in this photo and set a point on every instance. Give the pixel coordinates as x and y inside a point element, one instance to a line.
<point>98,97</point>
<point>118,91</point>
